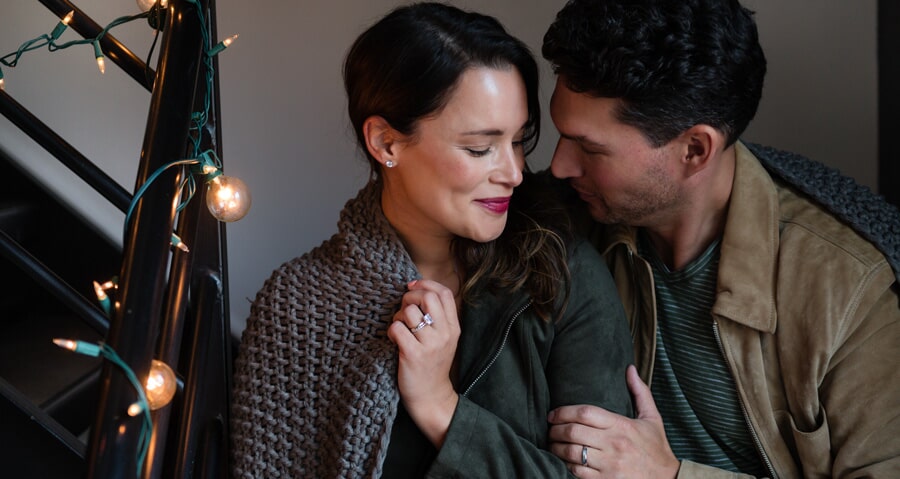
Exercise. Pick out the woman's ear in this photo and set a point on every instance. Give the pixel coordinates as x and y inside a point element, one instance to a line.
<point>382,140</point>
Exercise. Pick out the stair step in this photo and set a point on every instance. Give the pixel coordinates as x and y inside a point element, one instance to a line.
<point>32,444</point>
<point>33,364</point>
<point>17,218</point>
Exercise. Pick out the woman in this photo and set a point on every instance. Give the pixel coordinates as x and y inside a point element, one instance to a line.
<point>428,336</point>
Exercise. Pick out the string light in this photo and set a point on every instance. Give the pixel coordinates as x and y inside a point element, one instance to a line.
<point>61,26</point>
<point>227,198</point>
<point>101,289</point>
<point>222,45</point>
<point>135,409</point>
<point>102,297</point>
<point>161,385</point>
<point>141,407</point>
<point>176,242</point>
<point>79,347</point>
<point>49,41</point>
<point>98,53</point>
<point>146,5</point>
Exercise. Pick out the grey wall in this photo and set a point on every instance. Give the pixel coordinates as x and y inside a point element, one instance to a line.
<point>285,132</point>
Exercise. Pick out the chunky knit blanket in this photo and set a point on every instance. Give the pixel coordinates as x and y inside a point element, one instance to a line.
<point>315,392</point>
<point>870,215</point>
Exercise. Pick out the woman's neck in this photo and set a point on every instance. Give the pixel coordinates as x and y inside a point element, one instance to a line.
<point>430,253</point>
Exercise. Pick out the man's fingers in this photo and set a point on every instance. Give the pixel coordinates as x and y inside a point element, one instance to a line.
<point>568,452</point>
<point>643,398</point>
<point>587,415</point>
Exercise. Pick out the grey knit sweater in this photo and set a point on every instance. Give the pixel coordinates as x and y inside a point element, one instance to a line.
<point>315,393</point>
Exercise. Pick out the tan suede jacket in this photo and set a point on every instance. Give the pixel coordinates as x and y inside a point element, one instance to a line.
<point>808,319</point>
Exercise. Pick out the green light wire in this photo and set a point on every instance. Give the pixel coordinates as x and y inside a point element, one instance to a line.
<point>108,353</point>
<point>12,59</point>
<point>151,178</point>
<point>147,427</point>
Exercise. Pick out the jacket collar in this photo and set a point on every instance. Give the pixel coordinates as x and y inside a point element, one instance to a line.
<point>747,264</point>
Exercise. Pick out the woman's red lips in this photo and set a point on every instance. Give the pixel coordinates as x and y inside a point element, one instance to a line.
<point>496,205</point>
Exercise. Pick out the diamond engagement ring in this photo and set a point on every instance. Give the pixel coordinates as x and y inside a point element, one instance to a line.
<point>427,320</point>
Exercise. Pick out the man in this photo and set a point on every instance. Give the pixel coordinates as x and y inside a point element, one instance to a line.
<point>767,328</point>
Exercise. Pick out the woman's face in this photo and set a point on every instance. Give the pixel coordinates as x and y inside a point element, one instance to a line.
<point>456,174</point>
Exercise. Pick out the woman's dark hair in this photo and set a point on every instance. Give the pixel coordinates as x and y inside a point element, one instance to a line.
<point>673,64</point>
<point>405,68</point>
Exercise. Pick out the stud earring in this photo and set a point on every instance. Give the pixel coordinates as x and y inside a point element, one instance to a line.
<point>389,163</point>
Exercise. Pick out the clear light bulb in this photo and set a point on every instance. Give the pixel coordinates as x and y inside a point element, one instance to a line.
<point>135,409</point>
<point>100,291</point>
<point>227,198</point>
<point>66,344</point>
<point>228,41</point>
<point>98,54</point>
<point>61,26</point>
<point>146,5</point>
<point>160,386</point>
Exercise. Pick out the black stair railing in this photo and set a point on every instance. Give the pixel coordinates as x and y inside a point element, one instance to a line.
<point>112,48</point>
<point>172,306</point>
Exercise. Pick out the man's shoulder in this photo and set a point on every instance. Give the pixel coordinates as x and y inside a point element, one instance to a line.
<point>830,206</point>
<point>808,226</point>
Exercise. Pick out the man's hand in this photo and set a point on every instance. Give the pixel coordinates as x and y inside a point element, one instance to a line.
<point>617,446</point>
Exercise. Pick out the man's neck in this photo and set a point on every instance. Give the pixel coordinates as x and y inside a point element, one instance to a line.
<point>683,235</point>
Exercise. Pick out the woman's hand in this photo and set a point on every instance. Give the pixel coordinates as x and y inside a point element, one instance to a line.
<point>427,347</point>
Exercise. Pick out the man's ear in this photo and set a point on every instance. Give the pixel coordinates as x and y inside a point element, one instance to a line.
<point>382,140</point>
<point>701,143</point>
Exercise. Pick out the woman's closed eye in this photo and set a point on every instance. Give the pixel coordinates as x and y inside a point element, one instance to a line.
<point>478,152</point>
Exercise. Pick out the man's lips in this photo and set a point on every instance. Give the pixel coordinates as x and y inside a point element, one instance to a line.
<point>584,194</point>
<point>496,205</point>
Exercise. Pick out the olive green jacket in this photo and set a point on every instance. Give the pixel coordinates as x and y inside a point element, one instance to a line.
<point>808,320</point>
<point>515,367</point>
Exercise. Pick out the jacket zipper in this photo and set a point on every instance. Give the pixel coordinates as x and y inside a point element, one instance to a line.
<point>499,350</point>
<point>753,433</point>
<point>634,295</point>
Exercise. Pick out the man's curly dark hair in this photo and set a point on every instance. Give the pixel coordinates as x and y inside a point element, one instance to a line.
<point>672,63</point>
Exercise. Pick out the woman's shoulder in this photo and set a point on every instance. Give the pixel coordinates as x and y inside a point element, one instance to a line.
<point>583,254</point>
<point>322,261</point>
<point>589,272</point>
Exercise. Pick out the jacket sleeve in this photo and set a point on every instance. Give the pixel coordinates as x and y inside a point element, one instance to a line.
<point>586,365</point>
<point>695,470</point>
<point>860,396</point>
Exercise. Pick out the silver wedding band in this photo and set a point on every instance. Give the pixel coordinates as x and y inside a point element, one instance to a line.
<point>427,320</point>
<point>584,456</point>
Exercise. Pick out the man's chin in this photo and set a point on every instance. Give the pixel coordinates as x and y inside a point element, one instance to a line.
<point>601,214</point>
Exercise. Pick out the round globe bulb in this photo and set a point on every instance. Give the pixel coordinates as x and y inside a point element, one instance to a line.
<point>227,198</point>
<point>161,385</point>
<point>145,5</point>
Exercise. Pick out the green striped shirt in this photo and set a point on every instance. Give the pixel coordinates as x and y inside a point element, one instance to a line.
<point>692,385</point>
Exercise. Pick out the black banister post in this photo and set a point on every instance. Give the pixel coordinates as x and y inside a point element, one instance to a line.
<point>136,324</point>
<point>197,443</point>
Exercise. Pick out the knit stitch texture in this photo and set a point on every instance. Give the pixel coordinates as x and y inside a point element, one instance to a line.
<point>315,392</point>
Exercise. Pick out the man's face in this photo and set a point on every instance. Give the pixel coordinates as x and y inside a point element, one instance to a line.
<point>611,165</point>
